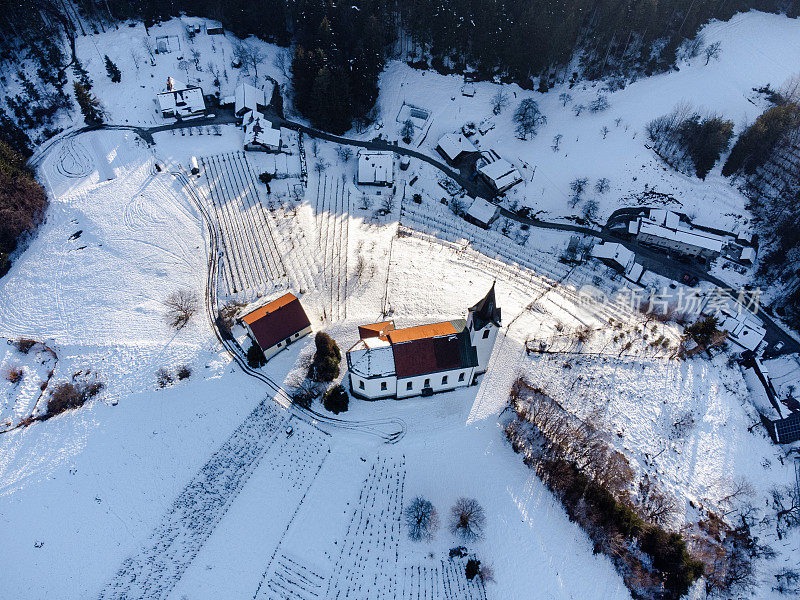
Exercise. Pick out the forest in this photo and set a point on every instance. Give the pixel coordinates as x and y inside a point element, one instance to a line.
<point>340,48</point>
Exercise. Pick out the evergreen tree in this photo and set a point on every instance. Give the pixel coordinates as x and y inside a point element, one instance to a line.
<point>81,74</point>
<point>113,71</point>
<point>13,135</point>
<point>90,106</point>
<point>758,141</point>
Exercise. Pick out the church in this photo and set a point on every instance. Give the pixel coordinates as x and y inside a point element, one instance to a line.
<point>388,362</point>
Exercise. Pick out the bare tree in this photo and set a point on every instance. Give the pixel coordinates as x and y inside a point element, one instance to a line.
<point>653,505</point>
<point>344,152</point>
<point>181,306</point>
<point>528,117</point>
<point>556,142</point>
<point>281,62</point>
<point>499,101</point>
<point>565,98</point>
<point>467,519</point>
<point>249,55</point>
<point>712,51</point>
<point>486,573</point>
<point>421,519</point>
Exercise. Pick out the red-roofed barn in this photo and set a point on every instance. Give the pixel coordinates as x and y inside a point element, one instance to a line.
<point>277,324</point>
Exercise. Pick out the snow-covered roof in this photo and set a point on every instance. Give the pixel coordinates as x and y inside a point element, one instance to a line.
<point>748,254</point>
<point>743,327</point>
<point>248,98</point>
<point>258,131</point>
<point>180,99</point>
<point>375,167</point>
<point>482,211</point>
<point>616,252</point>
<point>634,272</point>
<point>371,357</point>
<point>690,237</point>
<point>501,172</point>
<point>453,145</point>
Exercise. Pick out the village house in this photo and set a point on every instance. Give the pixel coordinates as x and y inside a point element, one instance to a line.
<point>742,327</point>
<point>259,134</point>
<point>248,99</point>
<point>277,324</point>
<point>375,167</point>
<point>481,213</point>
<point>180,100</point>
<point>500,174</point>
<point>453,146</point>
<point>664,229</point>
<point>618,257</point>
<point>388,362</point>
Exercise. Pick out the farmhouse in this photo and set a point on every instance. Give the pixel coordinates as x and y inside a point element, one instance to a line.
<point>181,101</point>
<point>375,167</point>
<point>388,362</point>
<point>481,213</point>
<point>247,98</point>
<point>744,328</point>
<point>259,134</point>
<point>453,146</point>
<point>277,324</point>
<point>499,173</point>
<point>664,229</point>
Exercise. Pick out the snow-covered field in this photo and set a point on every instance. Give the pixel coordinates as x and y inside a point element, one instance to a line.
<point>196,491</point>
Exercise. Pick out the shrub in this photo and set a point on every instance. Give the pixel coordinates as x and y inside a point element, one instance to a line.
<point>163,377</point>
<point>255,357</point>
<point>25,345</point>
<point>336,399</point>
<point>184,372</point>
<point>22,200</point>
<point>325,366</point>
<point>472,568</point>
<point>68,394</point>
<point>13,375</point>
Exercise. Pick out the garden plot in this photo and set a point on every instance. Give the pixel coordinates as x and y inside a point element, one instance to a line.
<point>257,521</point>
<point>333,241</point>
<point>155,570</point>
<point>252,261</point>
<point>442,580</point>
<point>367,565</point>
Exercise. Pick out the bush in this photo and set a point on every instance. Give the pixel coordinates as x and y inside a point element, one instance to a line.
<point>325,366</point>
<point>472,568</point>
<point>22,201</point>
<point>14,375</point>
<point>255,357</point>
<point>758,141</point>
<point>336,399</point>
<point>184,372</point>
<point>25,345</point>
<point>67,395</point>
<point>163,377</point>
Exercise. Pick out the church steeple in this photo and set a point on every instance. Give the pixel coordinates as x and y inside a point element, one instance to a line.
<point>485,311</point>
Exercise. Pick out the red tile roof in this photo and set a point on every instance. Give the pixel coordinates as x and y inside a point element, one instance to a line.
<point>419,332</point>
<point>375,329</point>
<point>277,321</point>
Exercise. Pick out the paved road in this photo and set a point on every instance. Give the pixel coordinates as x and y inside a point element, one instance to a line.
<point>650,259</point>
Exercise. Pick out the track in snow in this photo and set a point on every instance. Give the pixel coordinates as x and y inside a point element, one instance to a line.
<point>153,572</point>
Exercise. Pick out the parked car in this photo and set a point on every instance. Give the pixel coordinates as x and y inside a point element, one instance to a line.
<point>689,280</point>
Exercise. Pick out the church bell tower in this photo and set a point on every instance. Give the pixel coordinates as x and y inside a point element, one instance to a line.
<point>483,323</point>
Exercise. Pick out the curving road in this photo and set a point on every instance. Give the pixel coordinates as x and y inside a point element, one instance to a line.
<point>650,259</point>
<point>390,430</point>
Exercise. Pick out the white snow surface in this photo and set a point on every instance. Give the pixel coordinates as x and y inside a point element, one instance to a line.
<point>195,490</point>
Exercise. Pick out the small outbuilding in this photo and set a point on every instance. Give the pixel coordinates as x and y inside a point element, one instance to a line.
<point>481,213</point>
<point>277,324</point>
<point>453,146</point>
<point>375,167</point>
